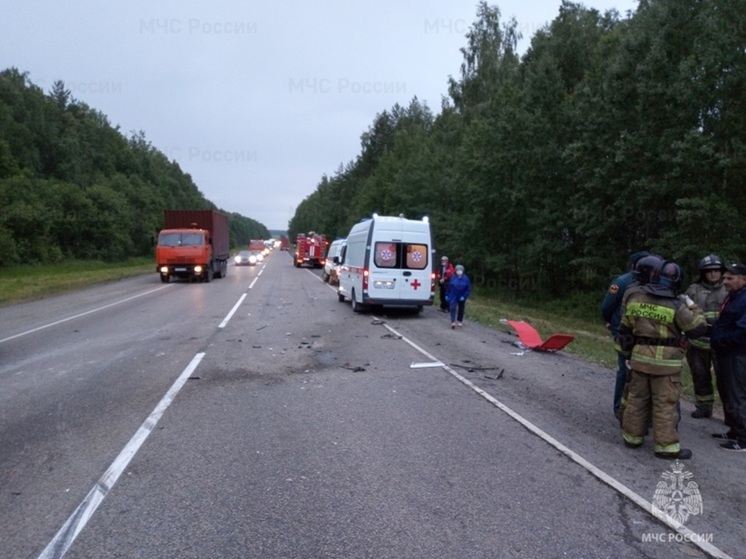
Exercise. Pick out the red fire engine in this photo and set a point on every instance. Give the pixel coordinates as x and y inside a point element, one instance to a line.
<point>310,250</point>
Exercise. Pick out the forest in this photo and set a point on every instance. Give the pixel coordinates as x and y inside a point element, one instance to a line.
<point>73,187</point>
<point>543,171</point>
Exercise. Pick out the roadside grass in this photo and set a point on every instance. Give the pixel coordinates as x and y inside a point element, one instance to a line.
<point>578,315</point>
<point>29,282</point>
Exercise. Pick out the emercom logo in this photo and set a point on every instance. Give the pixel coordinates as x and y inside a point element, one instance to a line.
<point>676,500</point>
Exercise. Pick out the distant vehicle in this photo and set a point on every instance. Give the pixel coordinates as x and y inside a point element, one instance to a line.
<point>310,250</point>
<point>284,243</point>
<point>332,266</point>
<point>193,244</point>
<point>387,261</point>
<point>245,258</point>
<point>256,245</point>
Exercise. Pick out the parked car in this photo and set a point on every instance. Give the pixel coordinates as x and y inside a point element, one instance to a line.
<point>331,269</point>
<point>245,258</point>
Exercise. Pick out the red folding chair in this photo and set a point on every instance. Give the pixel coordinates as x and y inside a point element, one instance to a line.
<point>532,340</point>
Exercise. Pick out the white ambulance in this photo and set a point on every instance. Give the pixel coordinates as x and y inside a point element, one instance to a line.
<point>387,261</point>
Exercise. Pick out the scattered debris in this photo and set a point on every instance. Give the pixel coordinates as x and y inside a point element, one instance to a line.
<point>392,336</point>
<point>426,365</point>
<point>497,376</point>
<point>261,327</point>
<point>353,368</point>
<point>472,369</point>
<point>378,321</point>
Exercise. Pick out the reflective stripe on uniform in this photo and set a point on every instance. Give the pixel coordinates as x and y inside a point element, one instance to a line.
<point>632,439</point>
<point>668,448</point>
<point>658,361</point>
<point>699,344</point>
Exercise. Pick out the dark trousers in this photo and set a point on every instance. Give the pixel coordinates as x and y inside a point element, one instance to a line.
<point>443,290</point>
<point>457,311</point>
<point>731,381</point>
<point>700,364</point>
<point>621,380</point>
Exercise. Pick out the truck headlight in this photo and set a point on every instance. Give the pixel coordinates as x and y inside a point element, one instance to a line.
<point>198,269</point>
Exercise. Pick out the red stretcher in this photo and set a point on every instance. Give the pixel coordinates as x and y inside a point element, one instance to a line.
<point>532,340</point>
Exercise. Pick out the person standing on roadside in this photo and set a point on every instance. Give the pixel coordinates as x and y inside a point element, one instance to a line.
<point>728,341</point>
<point>611,312</point>
<point>708,293</point>
<point>654,320</point>
<point>445,273</point>
<point>459,289</point>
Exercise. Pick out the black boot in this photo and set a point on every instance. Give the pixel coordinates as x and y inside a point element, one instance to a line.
<point>702,413</point>
<point>683,454</point>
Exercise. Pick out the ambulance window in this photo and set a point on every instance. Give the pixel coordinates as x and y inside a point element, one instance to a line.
<point>385,255</point>
<point>416,257</point>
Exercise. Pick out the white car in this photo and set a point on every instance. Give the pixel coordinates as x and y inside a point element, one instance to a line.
<point>331,270</point>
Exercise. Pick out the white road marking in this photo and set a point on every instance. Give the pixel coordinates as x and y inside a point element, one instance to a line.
<point>82,314</point>
<point>597,472</point>
<point>232,311</point>
<point>77,521</point>
<point>253,282</point>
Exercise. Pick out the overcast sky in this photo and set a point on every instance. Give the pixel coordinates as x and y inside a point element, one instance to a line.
<point>258,99</point>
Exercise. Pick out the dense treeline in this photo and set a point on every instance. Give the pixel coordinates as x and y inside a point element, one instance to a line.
<point>542,172</point>
<point>72,186</point>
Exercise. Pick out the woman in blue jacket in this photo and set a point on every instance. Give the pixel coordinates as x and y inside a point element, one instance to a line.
<point>459,289</point>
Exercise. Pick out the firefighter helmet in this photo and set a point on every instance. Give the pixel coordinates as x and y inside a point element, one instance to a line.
<point>711,262</point>
<point>666,281</point>
<point>646,267</point>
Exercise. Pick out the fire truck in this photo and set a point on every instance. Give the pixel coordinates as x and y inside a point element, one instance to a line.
<point>310,250</point>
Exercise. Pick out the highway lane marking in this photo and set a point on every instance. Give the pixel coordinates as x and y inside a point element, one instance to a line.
<point>251,285</point>
<point>77,521</point>
<point>232,311</point>
<point>82,314</point>
<point>615,484</point>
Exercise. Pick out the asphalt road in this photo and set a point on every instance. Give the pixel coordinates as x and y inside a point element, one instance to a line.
<point>258,417</point>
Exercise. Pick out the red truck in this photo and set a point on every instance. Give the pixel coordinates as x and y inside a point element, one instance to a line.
<point>193,244</point>
<point>284,243</point>
<point>310,250</point>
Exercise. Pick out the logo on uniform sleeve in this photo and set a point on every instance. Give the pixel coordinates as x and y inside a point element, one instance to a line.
<point>614,289</point>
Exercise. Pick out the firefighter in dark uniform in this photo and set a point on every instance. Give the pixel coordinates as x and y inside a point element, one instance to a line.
<point>708,293</point>
<point>653,322</point>
<point>611,308</point>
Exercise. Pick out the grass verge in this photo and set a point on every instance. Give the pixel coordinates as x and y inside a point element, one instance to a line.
<point>25,283</point>
<point>592,341</point>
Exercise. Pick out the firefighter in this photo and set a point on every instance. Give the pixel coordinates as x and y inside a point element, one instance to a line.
<point>445,273</point>
<point>611,314</point>
<point>708,293</point>
<point>653,322</point>
<point>641,275</point>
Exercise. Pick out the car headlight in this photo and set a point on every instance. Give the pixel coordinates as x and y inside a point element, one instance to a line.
<point>238,259</point>
<point>252,259</point>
